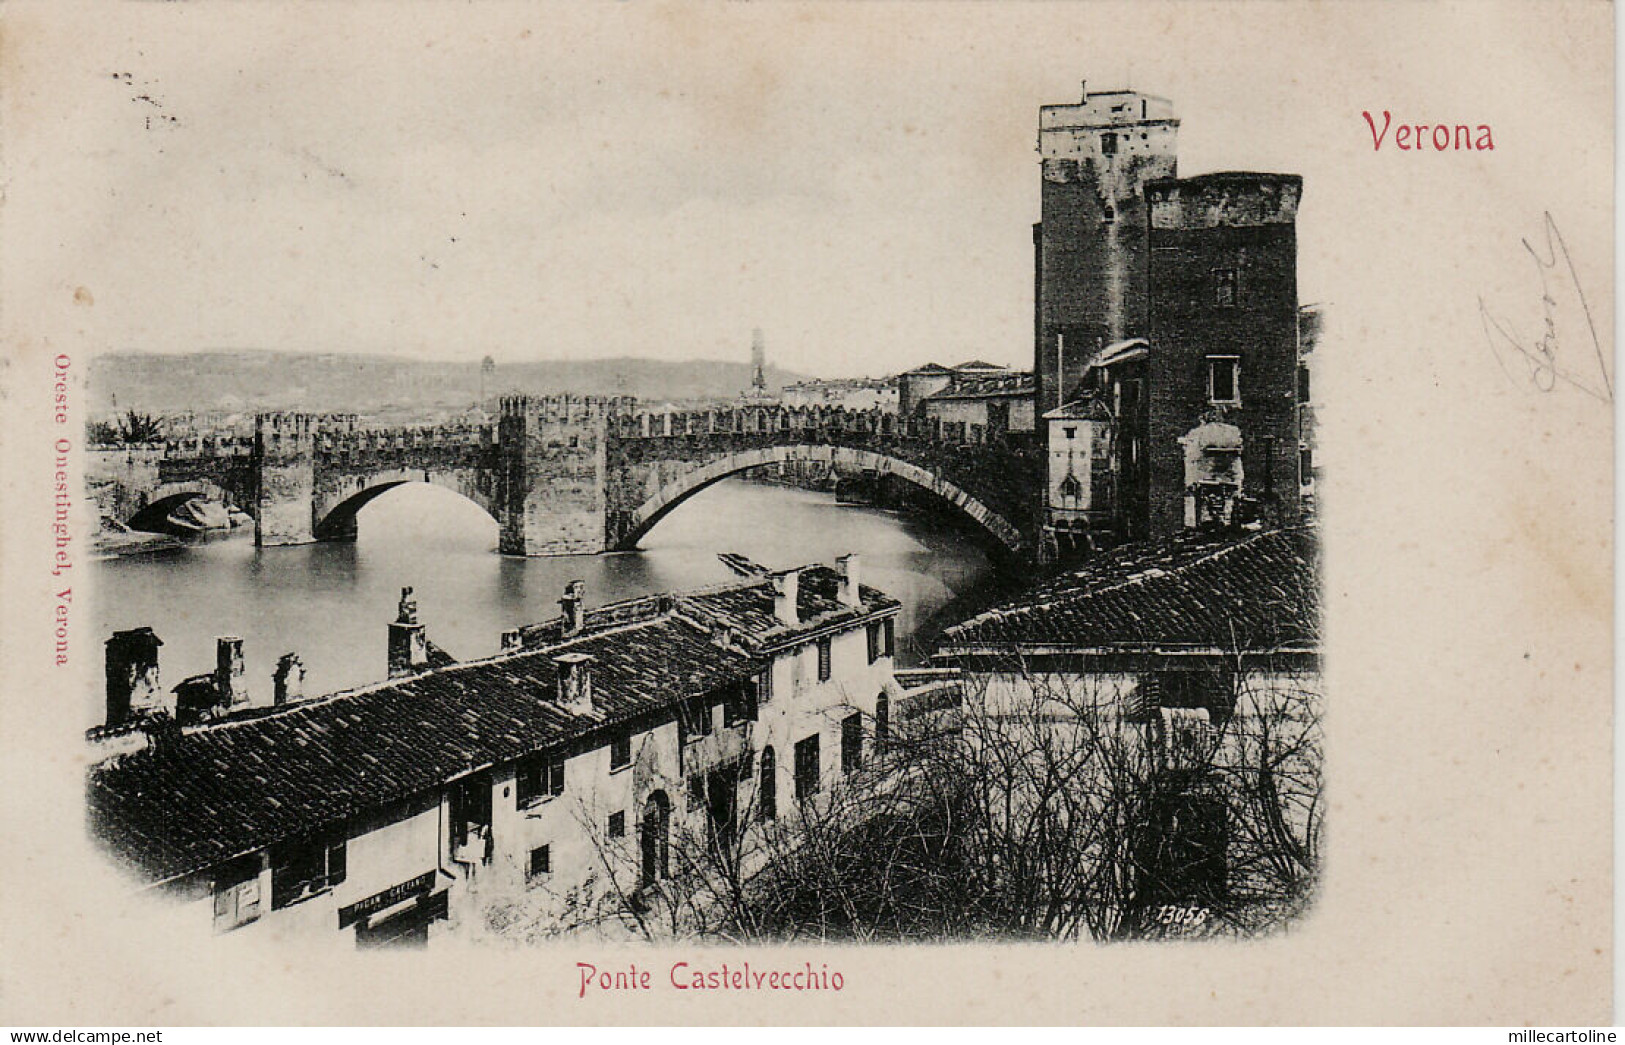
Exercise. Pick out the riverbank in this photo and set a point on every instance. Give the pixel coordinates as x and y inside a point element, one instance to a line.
<point>132,544</point>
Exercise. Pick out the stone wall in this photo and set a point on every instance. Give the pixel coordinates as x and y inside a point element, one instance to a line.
<point>120,480</point>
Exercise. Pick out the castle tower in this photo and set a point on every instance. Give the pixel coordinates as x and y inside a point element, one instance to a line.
<point>1090,244</point>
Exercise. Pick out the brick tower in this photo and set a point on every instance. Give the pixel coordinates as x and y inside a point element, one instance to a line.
<point>1090,244</point>
<point>1223,367</point>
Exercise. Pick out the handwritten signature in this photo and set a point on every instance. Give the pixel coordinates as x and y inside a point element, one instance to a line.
<point>1540,356</point>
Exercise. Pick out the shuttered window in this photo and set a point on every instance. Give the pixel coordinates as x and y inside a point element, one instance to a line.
<point>807,768</point>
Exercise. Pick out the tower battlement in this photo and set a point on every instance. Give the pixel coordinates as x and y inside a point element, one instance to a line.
<point>1234,198</point>
<point>564,408</point>
<point>1108,132</point>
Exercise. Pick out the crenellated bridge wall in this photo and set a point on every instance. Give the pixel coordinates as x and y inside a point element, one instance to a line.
<point>560,474</point>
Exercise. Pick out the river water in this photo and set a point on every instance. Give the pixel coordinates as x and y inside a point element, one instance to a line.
<point>331,603</point>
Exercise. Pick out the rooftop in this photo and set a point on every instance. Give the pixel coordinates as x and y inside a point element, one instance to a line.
<point>1224,178</point>
<point>220,790</point>
<point>1234,592</point>
<point>1087,407</point>
<point>1120,352</point>
<point>1106,108</point>
<point>746,607</point>
<point>1009,383</point>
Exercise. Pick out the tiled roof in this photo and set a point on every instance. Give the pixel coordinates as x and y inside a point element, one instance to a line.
<point>438,658</point>
<point>1087,407</point>
<point>1249,592</point>
<point>218,791</point>
<point>1010,384</point>
<point>748,608</point>
<point>223,789</point>
<point>745,607</point>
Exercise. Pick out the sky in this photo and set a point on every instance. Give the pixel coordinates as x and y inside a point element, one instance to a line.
<point>540,182</point>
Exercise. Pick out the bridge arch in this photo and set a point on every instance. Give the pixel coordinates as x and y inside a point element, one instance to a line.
<point>167,497</point>
<point>690,482</point>
<point>336,506</point>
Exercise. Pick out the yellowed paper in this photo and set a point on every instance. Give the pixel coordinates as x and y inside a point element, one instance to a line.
<point>439,182</point>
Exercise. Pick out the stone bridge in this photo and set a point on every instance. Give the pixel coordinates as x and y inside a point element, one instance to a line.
<point>560,474</point>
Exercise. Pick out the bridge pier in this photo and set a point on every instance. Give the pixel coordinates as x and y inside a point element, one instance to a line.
<point>285,506</point>
<point>550,489</point>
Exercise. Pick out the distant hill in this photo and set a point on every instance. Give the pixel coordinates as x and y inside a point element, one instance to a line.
<point>232,381</point>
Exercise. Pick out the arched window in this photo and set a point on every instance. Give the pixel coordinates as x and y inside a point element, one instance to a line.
<point>768,796</point>
<point>1070,487</point>
<point>882,721</point>
<point>654,836</point>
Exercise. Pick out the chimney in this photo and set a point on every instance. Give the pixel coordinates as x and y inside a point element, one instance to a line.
<point>288,681</point>
<point>229,684</point>
<point>724,636</point>
<point>512,640</point>
<point>786,593</point>
<point>575,594</point>
<point>132,676</point>
<point>575,681</point>
<point>408,644</point>
<point>848,591</point>
<point>1085,85</point>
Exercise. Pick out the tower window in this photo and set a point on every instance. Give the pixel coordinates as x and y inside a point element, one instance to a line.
<point>1224,287</point>
<point>1108,144</point>
<point>1224,380</point>
<point>1071,488</point>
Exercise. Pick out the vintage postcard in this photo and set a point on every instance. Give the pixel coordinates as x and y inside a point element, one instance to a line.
<point>807,513</point>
